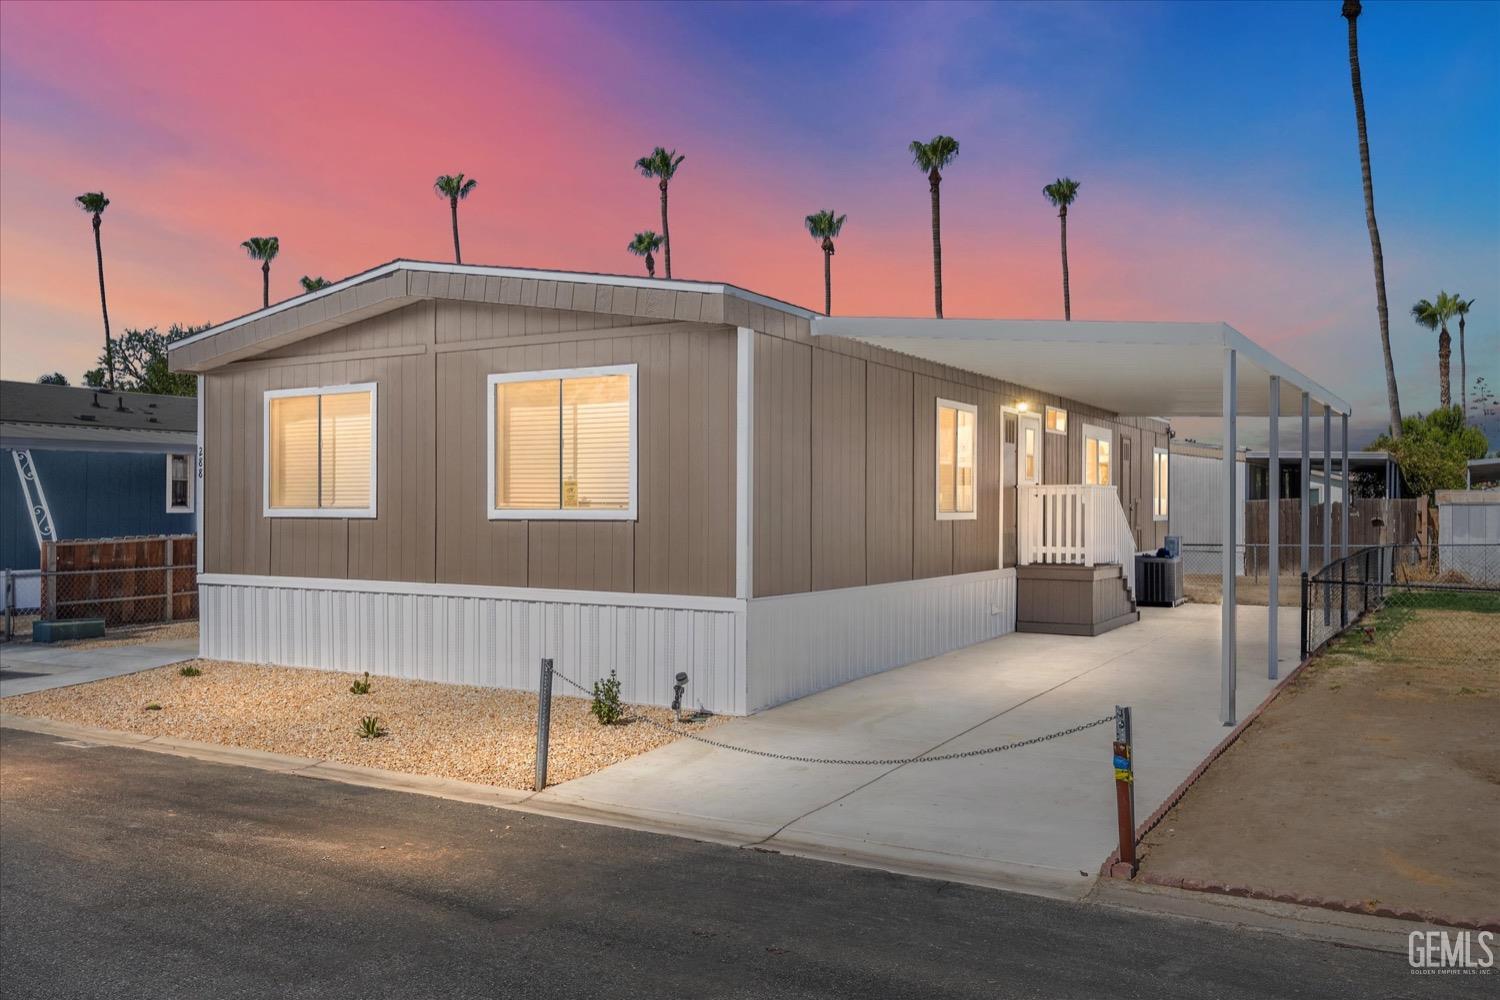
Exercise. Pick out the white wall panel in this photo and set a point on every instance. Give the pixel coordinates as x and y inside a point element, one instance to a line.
<point>466,639</point>
<point>803,643</point>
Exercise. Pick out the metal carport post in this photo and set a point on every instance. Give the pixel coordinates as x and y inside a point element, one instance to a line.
<point>1228,602</point>
<point>1273,524</point>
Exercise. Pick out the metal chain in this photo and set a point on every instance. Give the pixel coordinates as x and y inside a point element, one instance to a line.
<point>880,762</point>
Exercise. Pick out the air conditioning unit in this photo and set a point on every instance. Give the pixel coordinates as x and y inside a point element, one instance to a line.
<point>1158,581</point>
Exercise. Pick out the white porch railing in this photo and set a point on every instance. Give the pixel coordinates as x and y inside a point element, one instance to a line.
<point>1077,524</point>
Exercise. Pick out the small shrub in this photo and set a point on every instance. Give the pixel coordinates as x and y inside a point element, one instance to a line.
<point>191,671</point>
<point>606,705</point>
<point>153,707</point>
<point>370,728</point>
<point>361,685</point>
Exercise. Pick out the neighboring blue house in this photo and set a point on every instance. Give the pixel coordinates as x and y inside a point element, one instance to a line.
<point>85,463</point>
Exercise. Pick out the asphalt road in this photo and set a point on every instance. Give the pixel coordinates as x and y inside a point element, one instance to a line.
<point>125,873</point>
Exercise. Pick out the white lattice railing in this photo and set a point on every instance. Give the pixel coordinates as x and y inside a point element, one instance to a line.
<point>1075,524</point>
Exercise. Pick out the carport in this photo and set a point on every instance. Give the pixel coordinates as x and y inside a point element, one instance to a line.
<point>1160,370</point>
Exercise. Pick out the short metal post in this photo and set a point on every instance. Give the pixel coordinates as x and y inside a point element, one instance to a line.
<point>1343,593</point>
<point>10,606</point>
<point>1304,619</point>
<point>543,723</point>
<point>1125,786</point>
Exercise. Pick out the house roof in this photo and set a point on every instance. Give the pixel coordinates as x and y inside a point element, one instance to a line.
<point>1157,369</point>
<point>402,282</point>
<point>69,417</point>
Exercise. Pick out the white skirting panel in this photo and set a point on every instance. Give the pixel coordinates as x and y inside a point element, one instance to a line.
<point>466,637</point>
<point>803,643</point>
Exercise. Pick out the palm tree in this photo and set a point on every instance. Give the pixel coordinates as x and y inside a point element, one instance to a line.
<point>1350,12</point>
<point>455,189</point>
<point>313,284</point>
<point>1435,316</point>
<point>645,244</point>
<point>1061,193</point>
<point>263,249</point>
<point>931,158</point>
<point>94,203</point>
<point>1461,307</point>
<point>662,164</point>
<point>824,226</point>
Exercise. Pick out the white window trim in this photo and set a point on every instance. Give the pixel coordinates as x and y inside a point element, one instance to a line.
<point>937,474</point>
<point>1097,433</point>
<point>555,513</point>
<point>1166,457</point>
<point>1046,426</point>
<point>265,452</point>
<point>188,457</point>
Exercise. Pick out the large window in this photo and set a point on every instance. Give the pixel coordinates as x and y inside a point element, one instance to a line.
<point>562,444</point>
<point>320,452</point>
<point>957,424</point>
<point>179,484</point>
<point>1160,463</point>
<point>1097,462</point>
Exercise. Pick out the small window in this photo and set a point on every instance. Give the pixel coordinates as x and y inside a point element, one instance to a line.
<point>179,484</point>
<point>1159,467</point>
<point>1096,456</point>
<point>320,452</point>
<point>957,424</point>
<point>562,444</point>
<point>1057,420</point>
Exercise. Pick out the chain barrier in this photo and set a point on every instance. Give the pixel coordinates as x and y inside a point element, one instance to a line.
<point>880,762</point>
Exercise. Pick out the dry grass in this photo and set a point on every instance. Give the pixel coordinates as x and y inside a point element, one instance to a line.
<point>1204,588</point>
<point>453,731</point>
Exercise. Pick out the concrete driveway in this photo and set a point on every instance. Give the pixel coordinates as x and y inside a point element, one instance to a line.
<point>1039,818</point>
<point>26,667</point>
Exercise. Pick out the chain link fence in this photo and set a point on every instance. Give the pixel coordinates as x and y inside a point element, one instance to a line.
<point>1441,601</point>
<point>123,596</point>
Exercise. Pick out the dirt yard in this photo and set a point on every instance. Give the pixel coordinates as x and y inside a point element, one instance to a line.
<point>453,731</point>
<point>1374,777</point>
<point>1205,588</point>
<point>131,636</point>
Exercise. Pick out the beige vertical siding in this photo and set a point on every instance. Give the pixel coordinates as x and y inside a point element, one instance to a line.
<point>888,475</point>
<point>839,425</point>
<point>430,361</point>
<point>783,467</point>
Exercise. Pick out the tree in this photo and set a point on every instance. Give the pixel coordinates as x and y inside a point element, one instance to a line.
<point>94,203</point>
<point>52,378</point>
<point>263,249</point>
<point>141,356</point>
<point>1461,307</point>
<point>456,189</point>
<point>1435,316</point>
<point>662,164</point>
<point>932,158</point>
<point>1061,193</point>
<point>824,226</point>
<point>1350,11</point>
<point>1433,451</point>
<point>645,244</point>
<point>313,284</point>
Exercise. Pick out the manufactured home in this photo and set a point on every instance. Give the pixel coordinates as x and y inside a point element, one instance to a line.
<point>451,471</point>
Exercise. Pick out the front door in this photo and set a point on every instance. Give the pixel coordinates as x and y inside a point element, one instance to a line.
<point>1029,449</point>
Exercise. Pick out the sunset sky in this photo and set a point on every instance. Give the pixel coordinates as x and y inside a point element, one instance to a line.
<point>1215,145</point>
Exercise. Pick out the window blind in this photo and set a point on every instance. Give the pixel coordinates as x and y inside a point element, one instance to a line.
<point>563,444</point>
<point>294,451</point>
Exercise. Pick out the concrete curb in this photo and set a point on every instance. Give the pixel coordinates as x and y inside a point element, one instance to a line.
<point>1114,868</point>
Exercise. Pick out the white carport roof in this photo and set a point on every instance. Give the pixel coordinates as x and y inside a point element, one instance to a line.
<point>1137,369</point>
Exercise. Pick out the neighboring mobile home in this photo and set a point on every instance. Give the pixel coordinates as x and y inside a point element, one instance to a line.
<point>85,463</point>
<point>450,471</point>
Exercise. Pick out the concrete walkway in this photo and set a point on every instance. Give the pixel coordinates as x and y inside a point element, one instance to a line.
<point>1040,818</point>
<point>52,666</point>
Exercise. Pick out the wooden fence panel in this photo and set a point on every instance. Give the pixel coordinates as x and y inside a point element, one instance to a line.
<point>125,581</point>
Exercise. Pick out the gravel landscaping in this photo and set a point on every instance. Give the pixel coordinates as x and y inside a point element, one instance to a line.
<point>453,731</point>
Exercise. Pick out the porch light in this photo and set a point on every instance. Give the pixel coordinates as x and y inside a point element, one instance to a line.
<point>1023,406</point>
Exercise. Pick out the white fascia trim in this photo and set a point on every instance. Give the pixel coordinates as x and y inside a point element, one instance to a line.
<point>675,602</point>
<point>937,458</point>
<point>480,270</point>
<point>558,513</point>
<point>265,452</point>
<point>921,583</point>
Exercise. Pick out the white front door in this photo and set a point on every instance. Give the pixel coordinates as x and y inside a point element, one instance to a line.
<point>1029,449</point>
